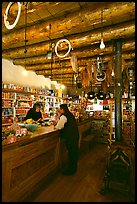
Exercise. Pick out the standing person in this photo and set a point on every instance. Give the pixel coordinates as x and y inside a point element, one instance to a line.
<point>34,113</point>
<point>69,131</point>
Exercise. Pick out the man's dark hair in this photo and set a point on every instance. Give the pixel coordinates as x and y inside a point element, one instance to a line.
<point>64,107</point>
<point>36,105</point>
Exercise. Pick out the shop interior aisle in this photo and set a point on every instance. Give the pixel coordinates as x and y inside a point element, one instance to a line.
<point>85,185</point>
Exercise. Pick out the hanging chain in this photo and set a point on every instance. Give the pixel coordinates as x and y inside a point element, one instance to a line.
<point>51,66</point>
<point>50,49</point>
<point>25,51</point>
<point>50,44</point>
<point>113,50</point>
<point>61,72</point>
<point>101,22</point>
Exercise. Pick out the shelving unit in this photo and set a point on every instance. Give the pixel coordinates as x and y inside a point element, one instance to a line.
<point>112,121</point>
<point>23,103</point>
<point>72,101</point>
<point>128,124</point>
<point>8,109</point>
<point>100,128</point>
<point>15,104</point>
<point>105,130</point>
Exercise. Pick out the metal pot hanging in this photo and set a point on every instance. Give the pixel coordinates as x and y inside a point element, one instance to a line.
<point>91,95</point>
<point>101,95</point>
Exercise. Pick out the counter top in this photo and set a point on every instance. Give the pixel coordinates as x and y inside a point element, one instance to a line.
<point>31,137</point>
<point>40,133</point>
<point>42,130</point>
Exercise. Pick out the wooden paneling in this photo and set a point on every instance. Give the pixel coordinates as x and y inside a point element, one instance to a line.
<point>27,163</point>
<point>24,167</point>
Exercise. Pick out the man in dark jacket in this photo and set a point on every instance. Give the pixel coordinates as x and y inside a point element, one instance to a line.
<point>69,131</point>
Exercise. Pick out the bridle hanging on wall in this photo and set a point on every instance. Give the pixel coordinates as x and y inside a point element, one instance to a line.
<point>101,75</point>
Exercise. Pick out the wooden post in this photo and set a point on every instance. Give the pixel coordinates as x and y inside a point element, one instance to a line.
<point>118,90</point>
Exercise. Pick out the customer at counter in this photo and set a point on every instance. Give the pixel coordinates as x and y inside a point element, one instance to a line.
<point>69,131</point>
<point>34,113</point>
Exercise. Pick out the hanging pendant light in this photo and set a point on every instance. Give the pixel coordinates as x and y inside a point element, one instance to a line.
<point>49,54</point>
<point>102,45</point>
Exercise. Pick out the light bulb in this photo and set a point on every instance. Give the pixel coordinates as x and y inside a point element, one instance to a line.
<point>102,45</point>
<point>25,73</point>
<point>62,86</point>
<point>112,74</point>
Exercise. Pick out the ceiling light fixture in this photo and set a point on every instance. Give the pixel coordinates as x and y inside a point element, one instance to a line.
<point>102,45</point>
<point>49,54</point>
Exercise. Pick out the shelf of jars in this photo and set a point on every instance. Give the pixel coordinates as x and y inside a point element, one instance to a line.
<point>128,123</point>
<point>105,110</point>
<point>8,109</point>
<point>17,102</point>
<point>7,120</point>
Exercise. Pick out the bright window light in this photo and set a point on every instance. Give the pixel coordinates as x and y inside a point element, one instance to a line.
<point>25,73</point>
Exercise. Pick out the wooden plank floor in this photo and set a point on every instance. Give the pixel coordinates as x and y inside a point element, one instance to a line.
<point>84,186</point>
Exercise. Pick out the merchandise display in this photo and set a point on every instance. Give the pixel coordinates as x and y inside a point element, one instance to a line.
<point>16,103</point>
<point>68,100</point>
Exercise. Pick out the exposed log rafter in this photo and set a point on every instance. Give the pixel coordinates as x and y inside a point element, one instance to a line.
<point>80,23</point>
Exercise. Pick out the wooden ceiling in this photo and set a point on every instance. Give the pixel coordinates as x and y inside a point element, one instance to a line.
<point>42,24</point>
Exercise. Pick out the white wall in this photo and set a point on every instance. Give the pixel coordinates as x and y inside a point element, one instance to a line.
<point>13,74</point>
<point>133,105</point>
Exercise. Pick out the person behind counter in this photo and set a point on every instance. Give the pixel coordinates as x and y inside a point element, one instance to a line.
<point>69,131</point>
<point>34,113</point>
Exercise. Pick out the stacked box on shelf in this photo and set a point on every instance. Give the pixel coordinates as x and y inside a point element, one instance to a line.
<point>16,103</point>
<point>100,130</point>
<point>106,131</point>
<point>133,132</point>
<point>126,132</point>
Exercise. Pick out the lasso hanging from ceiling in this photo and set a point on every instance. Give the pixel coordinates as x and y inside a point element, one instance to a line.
<point>56,47</point>
<point>6,22</point>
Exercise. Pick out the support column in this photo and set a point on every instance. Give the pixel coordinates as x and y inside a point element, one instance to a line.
<point>118,90</point>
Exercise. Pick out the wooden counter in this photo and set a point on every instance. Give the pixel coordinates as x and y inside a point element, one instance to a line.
<point>26,162</point>
<point>31,137</point>
<point>30,160</point>
<point>83,126</point>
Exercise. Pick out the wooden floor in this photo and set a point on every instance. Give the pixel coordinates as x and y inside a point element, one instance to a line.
<point>84,186</point>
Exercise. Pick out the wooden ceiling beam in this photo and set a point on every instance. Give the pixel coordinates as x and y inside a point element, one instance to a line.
<point>123,30</point>
<point>55,71</point>
<point>81,62</point>
<point>91,51</point>
<point>64,26</point>
<point>58,75</point>
<point>63,71</point>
